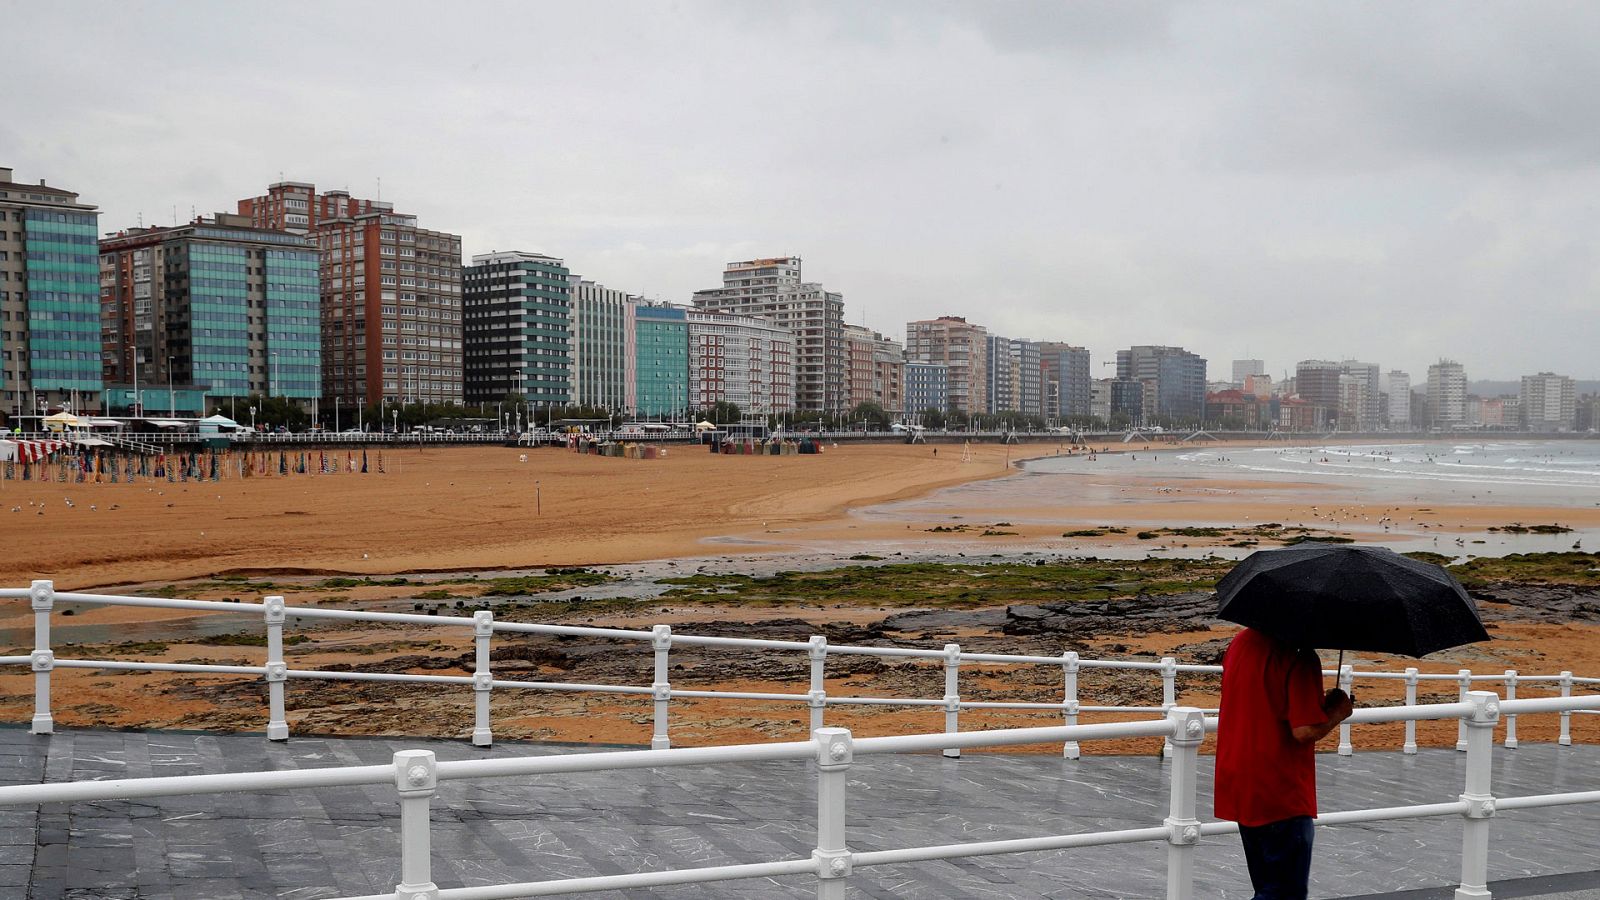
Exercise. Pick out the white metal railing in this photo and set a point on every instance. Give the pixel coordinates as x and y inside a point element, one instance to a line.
<point>275,672</point>
<point>416,775</point>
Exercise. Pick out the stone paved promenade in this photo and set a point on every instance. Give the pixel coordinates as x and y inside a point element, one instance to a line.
<point>301,845</point>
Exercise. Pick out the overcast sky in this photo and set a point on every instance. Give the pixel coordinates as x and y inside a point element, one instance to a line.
<point>1386,181</point>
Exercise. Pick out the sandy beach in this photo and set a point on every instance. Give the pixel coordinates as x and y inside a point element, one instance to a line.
<point>452,509</point>
<point>485,509</point>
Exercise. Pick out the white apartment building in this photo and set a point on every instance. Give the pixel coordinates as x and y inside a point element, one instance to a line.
<point>772,288</point>
<point>744,360</point>
<point>603,346</point>
<point>1548,402</point>
<point>1397,385</point>
<point>1447,393</point>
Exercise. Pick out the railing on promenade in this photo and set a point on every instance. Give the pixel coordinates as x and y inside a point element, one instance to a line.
<point>416,775</point>
<point>274,670</point>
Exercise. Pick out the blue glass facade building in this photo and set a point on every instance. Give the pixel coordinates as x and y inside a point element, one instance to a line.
<point>217,306</point>
<point>49,300</point>
<point>662,360</point>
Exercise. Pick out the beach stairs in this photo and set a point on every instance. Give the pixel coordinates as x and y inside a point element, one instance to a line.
<point>135,446</point>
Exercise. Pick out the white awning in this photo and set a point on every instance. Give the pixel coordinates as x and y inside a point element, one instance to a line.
<point>105,423</point>
<point>167,423</point>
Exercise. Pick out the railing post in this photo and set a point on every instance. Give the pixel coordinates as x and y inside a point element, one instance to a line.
<point>1069,699</point>
<point>1169,697</point>
<point>1347,681</point>
<point>1477,796</point>
<point>42,596</point>
<point>661,688</point>
<point>1511,720</point>
<point>1183,829</point>
<point>834,755</point>
<point>1411,700</point>
<point>482,678</point>
<point>277,676</point>
<point>1565,739</point>
<point>952,695</point>
<point>1464,683</point>
<point>817,694</point>
<point>416,777</point>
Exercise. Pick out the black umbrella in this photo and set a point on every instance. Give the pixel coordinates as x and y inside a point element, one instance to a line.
<point>1349,598</point>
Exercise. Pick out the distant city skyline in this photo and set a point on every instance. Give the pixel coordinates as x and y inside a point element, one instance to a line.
<point>1281,183</point>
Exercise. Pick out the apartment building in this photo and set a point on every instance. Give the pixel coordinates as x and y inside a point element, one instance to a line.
<point>516,328</point>
<point>744,360</point>
<point>773,288</point>
<point>391,295</point>
<point>224,308</point>
<point>963,348</point>
<point>49,299</point>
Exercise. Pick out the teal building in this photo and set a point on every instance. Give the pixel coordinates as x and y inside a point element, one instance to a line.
<point>49,300</point>
<point>661,353</point>
<point>218,304</point>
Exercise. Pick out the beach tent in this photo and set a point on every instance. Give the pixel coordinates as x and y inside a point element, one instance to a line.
<point>64,420</point>
<point>92,442</point>
<point>28,451</point>
<point>703,425</point>
<point>218,421</point>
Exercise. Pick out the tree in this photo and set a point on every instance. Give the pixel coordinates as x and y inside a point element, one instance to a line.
<point>932,417</point>
<point>720,412</point>
<point>275,411</point>
<point>871,413</point>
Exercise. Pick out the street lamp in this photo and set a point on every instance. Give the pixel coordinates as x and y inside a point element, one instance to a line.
<point>252,418</point>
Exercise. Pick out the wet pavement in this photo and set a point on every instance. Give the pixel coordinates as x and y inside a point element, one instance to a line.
<point>344,841</point>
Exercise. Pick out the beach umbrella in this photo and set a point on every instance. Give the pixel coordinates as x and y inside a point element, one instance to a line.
<point>1338,597</point>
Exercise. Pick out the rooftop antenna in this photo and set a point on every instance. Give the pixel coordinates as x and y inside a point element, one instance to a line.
<point>174,215</point>
<point>380,187</point>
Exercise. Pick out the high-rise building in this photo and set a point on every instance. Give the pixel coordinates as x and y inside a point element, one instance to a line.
<point>516,328</point>
<point>662,344</point>
<point>889,361</point>
<point>1548,402</point>
<point>49,299</point>
<point>1317,380</point>
<point>219,306</point>
<point>1067,380</point>
<point>1015,379</point>
<point>1244,368</point>
<point>1360,413</point>
<point>773,289</point>
<point>876,369</point>
<point>964,349</point>
<point>1178,379</point>
<point>860,346</point>
<point>743,360</point>
<point>604,356</point>
<point>927,388</point>
<point>1447,393</point>
<point>391,295</point>
<point>1397,385</point>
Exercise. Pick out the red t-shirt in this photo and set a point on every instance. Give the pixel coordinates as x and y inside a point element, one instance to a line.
<point>1264,775</point>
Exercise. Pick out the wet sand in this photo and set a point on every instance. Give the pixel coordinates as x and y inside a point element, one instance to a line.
<point>451,508</point>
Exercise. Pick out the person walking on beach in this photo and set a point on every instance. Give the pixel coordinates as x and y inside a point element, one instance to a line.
<point>1273,713</point>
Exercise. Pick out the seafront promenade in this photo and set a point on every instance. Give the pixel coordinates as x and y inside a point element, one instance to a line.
<point>342,841</point>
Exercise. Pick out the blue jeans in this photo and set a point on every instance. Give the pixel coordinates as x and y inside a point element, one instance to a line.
<point>1279,856</point>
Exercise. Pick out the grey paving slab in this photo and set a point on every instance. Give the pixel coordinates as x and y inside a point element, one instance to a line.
<point>307,845</point>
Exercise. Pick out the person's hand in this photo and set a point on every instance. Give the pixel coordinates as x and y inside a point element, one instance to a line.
<point>1338,705</point>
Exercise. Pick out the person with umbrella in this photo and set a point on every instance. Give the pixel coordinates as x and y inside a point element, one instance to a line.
<point>1273,708</point>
